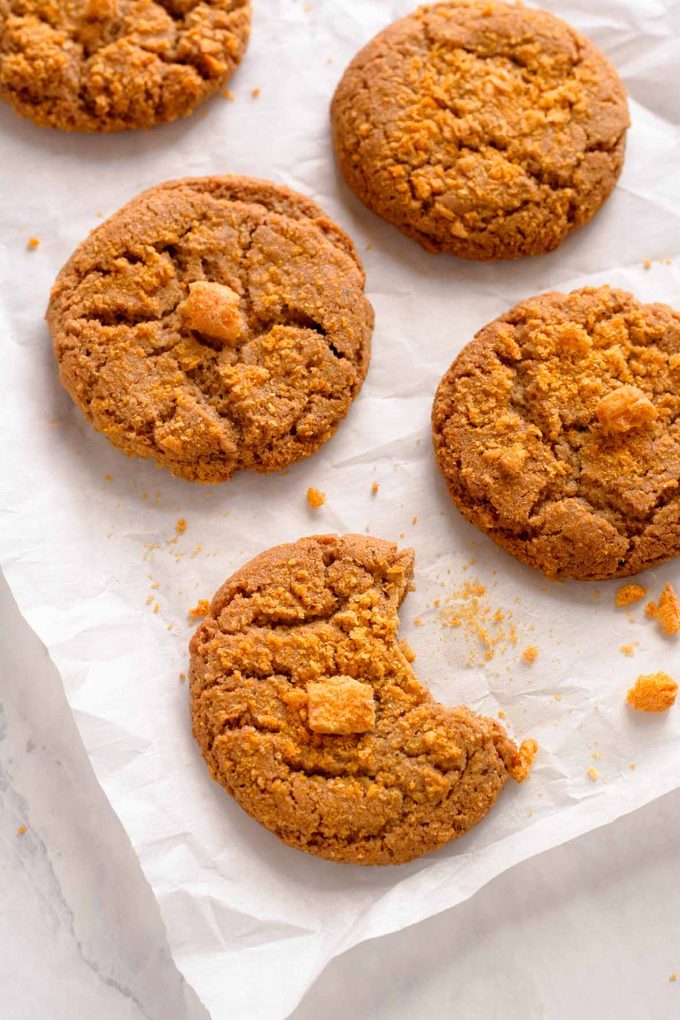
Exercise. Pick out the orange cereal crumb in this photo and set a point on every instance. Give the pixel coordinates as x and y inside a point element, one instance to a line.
<point>632,766</point>
<point>418,621</point>
<point>647,264</point>
<point>182,677</point>
<point>180,526</point>
<point>202,608</point>
<point>340,705</point>
<point>21,831</point>
<point>228,94</point>
<point>374,488</point>
<point>501,713</point>
<point>315,498</point>
<point>522,765</point>
<point>630,593</point>
<point>655,692</point>
<point>255,92</point>
<point>593,773</point>
<point>628,649</point>
<point>33,243</point>
<point>530,654</point>
<point>672,977</point>
<point>107,478</point>
<point>668,611</point>
<point>414,520</point>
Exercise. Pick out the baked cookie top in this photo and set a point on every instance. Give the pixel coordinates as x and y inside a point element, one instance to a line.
<point>213,324</point>
<point>307,710</point>
<point>557,430</point>
<point>481,129</point>
<point>110,65</point>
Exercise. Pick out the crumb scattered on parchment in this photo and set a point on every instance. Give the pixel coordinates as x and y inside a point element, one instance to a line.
<point>414,520</point>
<point>628,649</point>
<point>33,243</point>
<point>530,654</point>
<point>374,489</point>
<point>647,264</point>
<point>21,831</point>
<point>655,692</point>
<point>632,766</point>
<point>597,756</point>
<point>108,478</point>
<point>667,611</point>
<point>315,497</point>
<point>501,713</point>
<point>630,593</point>
<point>557,697</point>
<point>156,608</point>
<point>228,94</point>
<point>182,677</point>
<point>487,629</point>
<point>528,750</point>
<point>593,773</point>
<point>202,608</point>
<point>255,92</point>
<point>672,977</point>
<point>419,622</point>
<point>180,526</point>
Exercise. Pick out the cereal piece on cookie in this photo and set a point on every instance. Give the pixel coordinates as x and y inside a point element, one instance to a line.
<point>340,705</point>
<point>625,408</point>
<point>213,309</point>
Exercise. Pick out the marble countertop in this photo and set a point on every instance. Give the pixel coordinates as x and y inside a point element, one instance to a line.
<point>588,930</point>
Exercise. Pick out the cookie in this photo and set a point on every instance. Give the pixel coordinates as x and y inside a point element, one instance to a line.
<point>213,324</point>
<point>306,708</point>
<point>557,430</point>
<point>111,65</point>
<point>481,129</point>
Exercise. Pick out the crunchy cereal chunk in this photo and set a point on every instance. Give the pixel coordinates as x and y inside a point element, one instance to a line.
<point>530,654</point>
<point>315,498</point>
<point>524,761</point>
<point>630,593</point>
<point>99,10</point>
<point>655,692</point>
<point>593,773</point>
<point>340,705</point>
<point>668,611</point>
<point>213,309</point>
<point>625,408</point>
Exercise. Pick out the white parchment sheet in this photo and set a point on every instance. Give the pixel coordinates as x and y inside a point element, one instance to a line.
<point>250,922</point>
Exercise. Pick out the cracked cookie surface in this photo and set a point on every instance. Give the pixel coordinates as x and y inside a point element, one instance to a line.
<point>307,710</point>
<point>481,129</point>
<point>112,65</point>
<point>557,430</point>
<point>214,324</point>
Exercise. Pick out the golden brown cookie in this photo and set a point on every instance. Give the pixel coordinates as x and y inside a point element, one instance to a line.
<point>481,129</point>
<point>307,710</point>
<point>111,65</point>
<point>213,324</point>
<point>557,430</point>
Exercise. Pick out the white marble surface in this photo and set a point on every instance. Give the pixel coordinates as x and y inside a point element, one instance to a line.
<point>589,930</point>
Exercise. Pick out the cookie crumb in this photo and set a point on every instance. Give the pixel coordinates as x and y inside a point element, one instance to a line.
<point>21,831</point>
<point>501,714</point>
<point>672,977</point>
<point>593,773</point>
<point>182,677</point>
<point>647,264</point>
<point>180,526</point>
<point>414,520</point>
<point>255,92</point>
<point>228,94</point>
<point>316,498</point>
<point>33,243</point>
<point>524,761</point>
<point>655,692</point>
<point>530,654</point>
<point>632,766</point>
<point>202,608</point>
<point>418,621</point>
<point>630,593</point>
<point>374,489</point>
<point>667,611</point>
<point>483,625</point>
<point>628,649</point>
<point>107,478</point>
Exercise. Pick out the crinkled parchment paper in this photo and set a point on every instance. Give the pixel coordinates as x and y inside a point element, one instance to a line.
<point>101,574</point>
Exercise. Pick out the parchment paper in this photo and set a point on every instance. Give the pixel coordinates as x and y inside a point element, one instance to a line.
<point>250,922</point>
